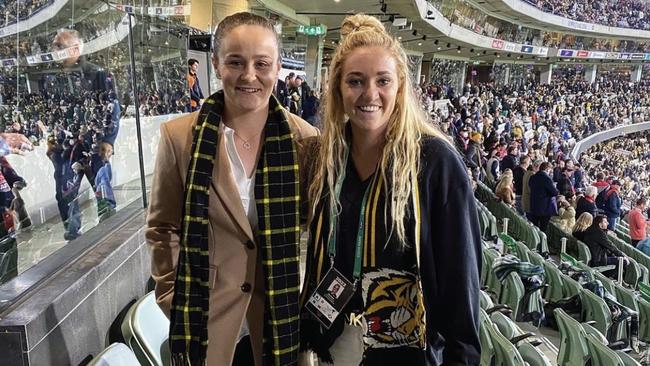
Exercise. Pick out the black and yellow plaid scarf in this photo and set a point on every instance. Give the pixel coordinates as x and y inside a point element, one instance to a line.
<point>277,198</point>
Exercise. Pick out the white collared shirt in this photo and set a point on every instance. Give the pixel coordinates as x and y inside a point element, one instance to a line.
<point>246,188</point>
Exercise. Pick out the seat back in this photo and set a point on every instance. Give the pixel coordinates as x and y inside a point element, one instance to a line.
<point>491,280</point>
<point>601,354</point>
<point>584,254</point>
<point>487,347</point>
<point>607,282</point>
<point>146,331</point>
<point>485,300</point>
<point>554,291</point>
<point>644,320</point>
<point>571,286</point>
<point>594,308</point>
<point>573,348</point>
<point>506,353</point>
<point>533,356</point>
<point>512,293</point>
<point>117,354</point>
<point>505,325</point>
<point>626,297</point>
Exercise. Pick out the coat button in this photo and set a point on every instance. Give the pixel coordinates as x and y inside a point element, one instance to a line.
<point>246,287</point>
<point>250,245</point>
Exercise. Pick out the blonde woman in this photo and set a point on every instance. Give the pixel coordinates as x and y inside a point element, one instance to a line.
<point>583,222</point>
<point>504,189</point>
<point>394,247</point>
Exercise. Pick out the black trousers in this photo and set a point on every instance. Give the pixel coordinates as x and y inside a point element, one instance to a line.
<point>540,221</point>
<point>244,353</point>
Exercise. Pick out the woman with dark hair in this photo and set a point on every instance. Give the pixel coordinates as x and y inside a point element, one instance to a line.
<point>224,220</point>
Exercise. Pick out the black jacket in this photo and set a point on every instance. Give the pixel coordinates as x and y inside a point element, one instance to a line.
<point>584,205</point>
<point>542,195</point>
<point>600,246</point>
<point>450,257</point>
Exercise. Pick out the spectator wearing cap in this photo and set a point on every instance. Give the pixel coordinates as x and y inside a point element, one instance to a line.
<point>612,204</point>
<point>638,222</point>
<point>587,203</point>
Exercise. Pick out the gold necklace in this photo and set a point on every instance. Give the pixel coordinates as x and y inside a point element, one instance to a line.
<point>245,143</point>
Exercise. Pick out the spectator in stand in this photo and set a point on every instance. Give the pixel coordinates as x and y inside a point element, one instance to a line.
<point>71,196</point>
<point>492,170</point>
<point>587,203</point>
<point>564,184</point>
<point>525,188</point>
<point>583,222</point>
<point>612,204</point>
<point>474,155</point>
<point>566,217</point>
<point>578,178</point>
<point>638,222</point>
<point>196,94</point>
<point>103,187</point>
<point>603,252</point>
<point>310,108</point>
<point>510,161</point>
<point>518,178</point>
<point>600,182</point>
<point>543,201</point>
<point>504,190</point>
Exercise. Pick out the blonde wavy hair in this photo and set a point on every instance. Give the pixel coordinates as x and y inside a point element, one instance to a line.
<point>504,182</point>
<point>406,125</point>
<point>583,222</point>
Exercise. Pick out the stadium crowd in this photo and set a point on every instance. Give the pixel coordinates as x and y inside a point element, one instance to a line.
<point>619,13</point>
<point>14,10</point>
<point>519,142</point>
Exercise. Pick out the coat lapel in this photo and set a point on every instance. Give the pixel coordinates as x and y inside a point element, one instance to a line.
<point>223,183</point>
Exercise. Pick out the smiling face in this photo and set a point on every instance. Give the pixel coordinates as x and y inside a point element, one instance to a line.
<point>369,85</point>
<point>247,63</point>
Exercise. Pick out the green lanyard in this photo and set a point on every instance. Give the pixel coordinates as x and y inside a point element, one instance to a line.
<point>334,218</point>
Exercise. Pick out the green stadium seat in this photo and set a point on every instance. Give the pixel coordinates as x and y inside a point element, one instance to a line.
<point>573,349</point>
<point>117,354</point>
<point>594,308</point>
<point>644,320</point>
<point>601,355</point>
<point>571,287</point>
<point>491,280</point>
<point>506,354</point>
<point>145,329</point>
<point>607,282</point>
<point>487,347</point>
<point>511,294</point>
<point>554,291</point>
<point>584,254</point>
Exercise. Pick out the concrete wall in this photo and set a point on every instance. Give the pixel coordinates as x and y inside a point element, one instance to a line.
<point>68,317</point>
